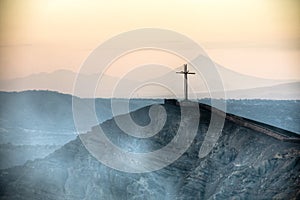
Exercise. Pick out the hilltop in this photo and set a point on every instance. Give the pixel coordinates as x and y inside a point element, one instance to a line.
<point>244,164</point>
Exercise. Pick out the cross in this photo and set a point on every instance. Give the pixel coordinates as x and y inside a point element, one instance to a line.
<point>185,80</point>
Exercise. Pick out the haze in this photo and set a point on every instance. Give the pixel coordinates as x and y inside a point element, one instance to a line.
<point>254,37</point>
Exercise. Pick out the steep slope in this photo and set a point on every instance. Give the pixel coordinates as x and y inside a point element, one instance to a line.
<point>283,114</point>
<point>244,164</point>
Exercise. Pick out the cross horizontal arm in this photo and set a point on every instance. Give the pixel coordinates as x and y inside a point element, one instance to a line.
<point>185,73</point>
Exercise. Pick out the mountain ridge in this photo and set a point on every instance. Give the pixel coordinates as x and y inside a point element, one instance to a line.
<point>244,164</point>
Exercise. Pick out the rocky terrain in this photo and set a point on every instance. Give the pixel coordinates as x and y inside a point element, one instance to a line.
<point>13,155</point>
<point>244,164</point>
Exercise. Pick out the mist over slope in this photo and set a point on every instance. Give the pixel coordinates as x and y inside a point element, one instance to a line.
<point>244,164</point>
<point>35,123</point>
<point>49,110</point>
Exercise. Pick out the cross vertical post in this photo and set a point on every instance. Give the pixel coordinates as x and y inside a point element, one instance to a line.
<point>185,72</point>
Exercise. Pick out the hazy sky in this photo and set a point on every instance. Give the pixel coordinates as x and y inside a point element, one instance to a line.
<point>255,37</point>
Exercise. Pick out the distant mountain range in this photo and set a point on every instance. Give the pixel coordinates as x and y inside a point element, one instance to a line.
<point>60,81</point>
<point>236,85</point>
<point>283,91</point>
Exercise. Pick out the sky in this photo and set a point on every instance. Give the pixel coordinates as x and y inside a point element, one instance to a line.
<point>254,37</point>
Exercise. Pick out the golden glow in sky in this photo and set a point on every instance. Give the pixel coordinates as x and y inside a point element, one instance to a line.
<point>254,37</point>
